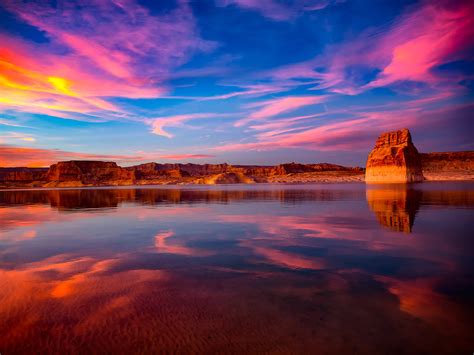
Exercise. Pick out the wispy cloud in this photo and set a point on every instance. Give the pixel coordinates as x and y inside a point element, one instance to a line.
<point>350,134</point>
<point>14,156</point>
<point>15,136</point>
<point>158,124</point>
<point>278,10</point>
<point>278,106</point>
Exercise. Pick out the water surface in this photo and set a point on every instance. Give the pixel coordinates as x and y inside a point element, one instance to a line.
<point>337,269</point>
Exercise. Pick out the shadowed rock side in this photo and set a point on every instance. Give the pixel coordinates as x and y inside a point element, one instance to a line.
<point>448,165</point>
<point>394,159</point>
<point>22,176</point>
<point>395,208</point>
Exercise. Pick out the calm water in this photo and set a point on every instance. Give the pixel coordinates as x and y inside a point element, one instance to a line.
<point>337,269</point>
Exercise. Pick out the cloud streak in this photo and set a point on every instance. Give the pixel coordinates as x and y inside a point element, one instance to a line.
<point>158,124</point>
<point>277,10</point>
<point>17,156</point>
<point>278,106</point>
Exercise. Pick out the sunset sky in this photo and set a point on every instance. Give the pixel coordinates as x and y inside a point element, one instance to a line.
<point>238,81</point>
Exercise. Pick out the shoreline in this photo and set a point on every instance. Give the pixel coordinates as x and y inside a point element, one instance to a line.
<point>281,180</point>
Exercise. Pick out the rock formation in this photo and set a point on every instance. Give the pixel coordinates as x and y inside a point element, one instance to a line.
<point>88,173</point>
<point>448,165</point>
<point>22,176</point>
<point>394,159</point>
<point>97,173</point>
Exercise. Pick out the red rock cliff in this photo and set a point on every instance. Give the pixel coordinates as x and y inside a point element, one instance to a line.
<point>88,173</point>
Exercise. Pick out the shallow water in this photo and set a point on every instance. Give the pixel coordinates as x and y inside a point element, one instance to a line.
<point>265,268</point>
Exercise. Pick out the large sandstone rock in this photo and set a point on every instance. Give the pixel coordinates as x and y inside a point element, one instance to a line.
<point>394,159</point>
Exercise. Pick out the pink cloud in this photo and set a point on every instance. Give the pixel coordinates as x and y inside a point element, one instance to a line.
<point>416,43</point>
<point>163,245</point>
<point>352,134</point>
<point>15,156</point>
<point>158,124</point>
<point>278,106</point>
<point>186,156</point>
<point>94,51</point>
<point>423,40</point>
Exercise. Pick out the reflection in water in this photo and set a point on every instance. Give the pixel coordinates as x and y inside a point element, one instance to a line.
<point>286,269</point>
<point>395,207</point>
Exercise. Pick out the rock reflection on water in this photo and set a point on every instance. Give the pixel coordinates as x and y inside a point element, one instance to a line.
<point>395,207</point>
<point>277,269</point>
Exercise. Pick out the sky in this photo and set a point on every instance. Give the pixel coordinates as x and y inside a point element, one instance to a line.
<point>237,81</point>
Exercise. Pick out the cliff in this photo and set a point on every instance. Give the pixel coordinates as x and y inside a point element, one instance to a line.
<point>22,176</point>
<point>394,159</point>
<point>448,165</point>
<point>97,173</point>
<point>87,173</point>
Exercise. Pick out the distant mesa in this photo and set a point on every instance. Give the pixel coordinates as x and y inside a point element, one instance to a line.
<point>78,173</point>
<point>394,159</point>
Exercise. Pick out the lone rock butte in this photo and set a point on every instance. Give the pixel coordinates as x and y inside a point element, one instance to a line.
<point>394,159</point>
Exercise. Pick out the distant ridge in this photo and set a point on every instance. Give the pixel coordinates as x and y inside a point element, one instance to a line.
<point>79,173</point>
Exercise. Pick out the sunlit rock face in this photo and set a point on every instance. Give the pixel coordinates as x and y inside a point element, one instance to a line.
<point>395,208</point>
<point>394,159</point>
<point>88,173</point>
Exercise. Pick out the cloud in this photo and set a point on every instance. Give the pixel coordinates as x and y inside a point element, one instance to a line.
<point>277,10</point>
<point>356,133</point>
<point>17,156</point>
<point>186,156</point>
<point>278,106</point>
<point>95,49</point>
<point>431,36</point>
<point>13,136</point>
<point>409,50</point>
<point>163,245</point>
<point>249,91</point>
<point>158,124</point>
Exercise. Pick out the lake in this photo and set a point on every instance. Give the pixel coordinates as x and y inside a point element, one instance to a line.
<point>335,268</point>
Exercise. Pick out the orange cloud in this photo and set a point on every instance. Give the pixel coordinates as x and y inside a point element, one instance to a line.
<point>106,54</point>
<point>14,156</point>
